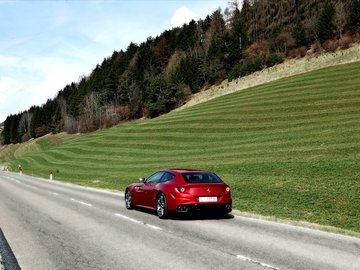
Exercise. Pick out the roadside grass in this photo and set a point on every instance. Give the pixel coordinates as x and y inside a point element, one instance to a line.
<point>289,149</point>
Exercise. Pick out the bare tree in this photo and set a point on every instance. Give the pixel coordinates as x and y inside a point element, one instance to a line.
<point>233,6</point>
<point>70,124</point>
<point>341,17</point>
<point>135,98</point>
<point>62,106</point>
<point>90,118</point>
<point>227,17</point>
<point>174,61</point>
<point>24,123</point>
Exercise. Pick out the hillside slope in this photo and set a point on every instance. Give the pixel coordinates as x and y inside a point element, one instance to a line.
<point>289,68</point>
<point>289,148</point>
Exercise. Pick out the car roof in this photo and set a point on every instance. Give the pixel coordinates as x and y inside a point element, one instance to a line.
<point>184,170</point>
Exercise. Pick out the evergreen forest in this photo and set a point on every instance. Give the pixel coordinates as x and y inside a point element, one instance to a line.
<point>161,73</point>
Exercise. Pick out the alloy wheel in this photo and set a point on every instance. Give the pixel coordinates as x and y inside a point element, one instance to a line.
<point>161,206</point>
<point>128,202</point>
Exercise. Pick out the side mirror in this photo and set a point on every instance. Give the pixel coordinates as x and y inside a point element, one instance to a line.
<point>142,180</point>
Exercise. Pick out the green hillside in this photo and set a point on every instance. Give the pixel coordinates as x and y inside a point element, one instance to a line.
<point>289,149</point>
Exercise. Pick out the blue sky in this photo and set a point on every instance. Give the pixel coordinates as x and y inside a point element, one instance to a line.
<point>45,45</point>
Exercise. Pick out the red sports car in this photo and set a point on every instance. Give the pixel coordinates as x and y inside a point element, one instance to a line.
<point>180,190</point>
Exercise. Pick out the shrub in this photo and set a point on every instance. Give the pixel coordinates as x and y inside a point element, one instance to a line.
<point>345,42</point>
<point>330,45</point>
<point>316,48</point>
<point>234,72</point>
<point>297,52</point>
<point>273,59</point>
<point>302,51</point>
<point>41,131</point>
<point>258,49</point>
<point>123,111</point>
<point>26,137</point>
<point>247,67</point>
<point>252,65</point>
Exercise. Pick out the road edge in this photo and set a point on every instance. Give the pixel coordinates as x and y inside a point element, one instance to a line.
<point>298,223</point>
<point>8,260</point>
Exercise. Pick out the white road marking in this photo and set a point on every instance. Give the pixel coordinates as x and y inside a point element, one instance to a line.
<point>30,186</point>
<point>17,181</point>
<point>128,218</point>
<point>247,259</point>
<point>81,202</point>
<point>153,227</point>
<point>138,222</point>
<point>53,193</point>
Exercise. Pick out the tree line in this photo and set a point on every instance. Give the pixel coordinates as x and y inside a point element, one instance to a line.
<point>160,74</point>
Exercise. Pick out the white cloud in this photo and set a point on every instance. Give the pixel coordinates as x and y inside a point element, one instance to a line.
<point>6,61</point>
<point>6,88</point>
<point>182,15</point>
<point>6,84</point>
<point>34,80</point>
<point>40,54</point>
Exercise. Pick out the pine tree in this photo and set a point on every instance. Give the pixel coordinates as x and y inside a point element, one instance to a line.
<point>236,39</point>
<point>354,20</point>
<point>325,24</point>
<point>14,124</point>
<point>6,131</point>
<point>35,121</point>
<point>245,17</point>
<point>300,35</point>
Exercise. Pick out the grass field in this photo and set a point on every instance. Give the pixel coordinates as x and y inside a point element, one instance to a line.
<point>289,149</point>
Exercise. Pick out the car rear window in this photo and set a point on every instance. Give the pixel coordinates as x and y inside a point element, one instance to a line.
<point>201,177</point>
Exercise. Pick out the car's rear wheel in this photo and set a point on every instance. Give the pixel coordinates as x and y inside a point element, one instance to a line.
<point>128,199</point>
<point>161,206</point>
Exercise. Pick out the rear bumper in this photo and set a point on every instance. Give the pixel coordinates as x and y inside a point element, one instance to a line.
<point>210,208</point>
<point>186,203</point>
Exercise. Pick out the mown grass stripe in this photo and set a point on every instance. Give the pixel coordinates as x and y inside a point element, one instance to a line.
<point>289,148</point>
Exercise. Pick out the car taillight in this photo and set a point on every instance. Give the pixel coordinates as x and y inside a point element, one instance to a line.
<point>227,189</point>
<point>180,189</point>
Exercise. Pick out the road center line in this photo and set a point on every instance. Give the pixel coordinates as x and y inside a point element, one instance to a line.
<point>81,202</point>
<point>54,193</point>
<point>247,259</point>
<point>138,222</point>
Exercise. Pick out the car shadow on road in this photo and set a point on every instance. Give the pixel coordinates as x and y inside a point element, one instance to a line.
<point>199,216</point>
<point>195,215</point>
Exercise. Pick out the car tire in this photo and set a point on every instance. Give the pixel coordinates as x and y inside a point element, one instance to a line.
<point>161,206</point>
<point>128,199</point>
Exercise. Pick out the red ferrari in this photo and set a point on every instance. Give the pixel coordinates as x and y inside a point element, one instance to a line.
<point>180,190</point>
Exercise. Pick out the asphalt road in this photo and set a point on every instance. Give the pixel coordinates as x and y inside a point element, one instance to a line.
<point>50,225</point>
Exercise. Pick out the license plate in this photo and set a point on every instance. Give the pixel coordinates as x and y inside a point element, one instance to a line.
<point>207,199</point>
